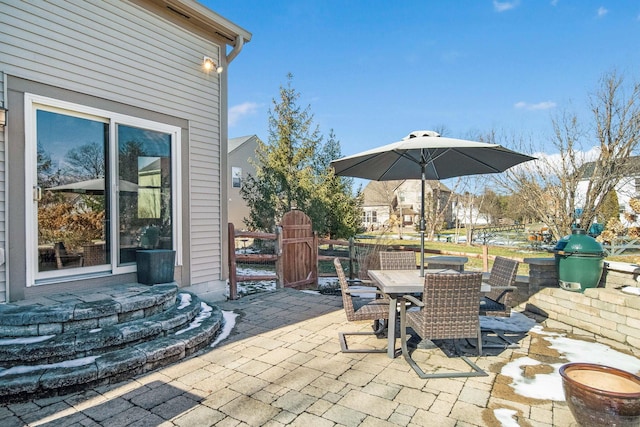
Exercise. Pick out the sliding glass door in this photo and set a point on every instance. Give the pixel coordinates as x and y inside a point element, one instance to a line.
<point>104,187</point>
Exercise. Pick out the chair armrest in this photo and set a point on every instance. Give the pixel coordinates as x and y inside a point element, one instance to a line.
<point>504,290</point>
<point>364,291</point>
<point>368,282</point>
<point>413,300</point>
<point>70,256</point>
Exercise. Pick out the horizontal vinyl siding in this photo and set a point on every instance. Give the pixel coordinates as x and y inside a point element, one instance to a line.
<point>115,50</point>
<point>3,224</point>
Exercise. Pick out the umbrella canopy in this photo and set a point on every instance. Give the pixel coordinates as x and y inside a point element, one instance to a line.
<point>426,155</point>
<point>440,158</point>
<point>93,186</point>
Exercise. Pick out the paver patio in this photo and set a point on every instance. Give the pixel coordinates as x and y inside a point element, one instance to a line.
<point>282,365</point>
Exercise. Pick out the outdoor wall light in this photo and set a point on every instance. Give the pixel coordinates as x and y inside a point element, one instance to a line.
<point>3,117</point>
<point>209,65</point>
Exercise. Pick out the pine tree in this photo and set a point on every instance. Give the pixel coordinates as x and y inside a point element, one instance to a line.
<point>336,211</point>
<point>293,171</point>
<point>609,207</point>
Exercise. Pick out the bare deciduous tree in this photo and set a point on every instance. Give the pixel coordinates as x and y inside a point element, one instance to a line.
<point>553,187</point>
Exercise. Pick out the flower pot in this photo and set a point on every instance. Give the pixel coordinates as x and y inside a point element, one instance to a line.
<point>155,266</point>
<point>599,395</point>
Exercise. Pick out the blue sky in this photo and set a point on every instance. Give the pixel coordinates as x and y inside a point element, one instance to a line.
<point>375,70</point>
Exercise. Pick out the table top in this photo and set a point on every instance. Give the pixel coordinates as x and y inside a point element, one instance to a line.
<point>407,281</point>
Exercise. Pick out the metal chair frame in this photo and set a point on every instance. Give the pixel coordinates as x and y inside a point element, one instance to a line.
<point>376,310</point>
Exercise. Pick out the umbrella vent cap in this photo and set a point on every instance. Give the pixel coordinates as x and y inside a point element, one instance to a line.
<point>419,133</point>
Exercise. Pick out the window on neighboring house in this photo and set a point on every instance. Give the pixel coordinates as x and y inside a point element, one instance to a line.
<point>236,177</point>
<point>369,217</point>
<point>105,188</point>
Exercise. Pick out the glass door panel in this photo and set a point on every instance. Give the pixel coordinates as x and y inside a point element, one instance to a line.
<point>72,204</point>
<point>144,191</point>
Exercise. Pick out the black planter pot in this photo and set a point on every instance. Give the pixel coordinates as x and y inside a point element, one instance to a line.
<point>155,266</point>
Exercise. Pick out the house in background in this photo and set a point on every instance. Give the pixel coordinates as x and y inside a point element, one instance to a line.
<point>240,150</point>
<point>465,214</point>
<point>626,189</point>
<point>401,198</point>
<point>131,96</point>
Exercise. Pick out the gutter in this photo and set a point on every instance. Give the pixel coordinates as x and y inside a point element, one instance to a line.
<point>237,47</point>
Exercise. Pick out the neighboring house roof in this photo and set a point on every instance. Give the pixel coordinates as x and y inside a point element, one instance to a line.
<point>379,192</point>
<point>629,167</point>
<point>235,143</point>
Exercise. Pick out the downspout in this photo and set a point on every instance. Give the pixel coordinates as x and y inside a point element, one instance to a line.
<point>237,47</point>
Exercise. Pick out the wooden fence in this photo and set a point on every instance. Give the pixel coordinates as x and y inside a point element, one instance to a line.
<point>354,255</point>
<point>621,245</point>
<point>236,256</point>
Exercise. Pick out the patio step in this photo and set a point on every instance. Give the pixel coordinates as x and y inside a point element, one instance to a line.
<point>54,349</point>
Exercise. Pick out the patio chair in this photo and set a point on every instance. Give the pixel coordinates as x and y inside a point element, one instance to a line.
<point>358,309</point>
<point>399,260</point>
<point>367,259</point>
<point>448,310</point>
<point>502,279</point>
<point>65,259</point>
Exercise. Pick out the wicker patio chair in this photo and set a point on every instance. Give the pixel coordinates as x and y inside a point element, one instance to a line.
<point>502,279</point>
<point>398,260</point>
<point>358,309</point>
<point>498,302</point>
<point>448,310</point>
<point>367,259</point>
<point>65,259</point>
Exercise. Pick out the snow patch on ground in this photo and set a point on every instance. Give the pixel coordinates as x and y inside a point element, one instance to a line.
<point>205,313</point>
<point>15,370</point>
<point>25,340</point>
<point>229,322</point>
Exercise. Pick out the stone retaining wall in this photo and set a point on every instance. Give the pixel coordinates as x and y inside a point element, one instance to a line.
<point>617,274</point>
<point>605,311</point>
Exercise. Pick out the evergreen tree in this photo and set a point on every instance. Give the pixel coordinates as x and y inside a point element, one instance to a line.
<point>335,212</point>
<point>293,171</point>
<point>284,166</point>
<point>609,208</point>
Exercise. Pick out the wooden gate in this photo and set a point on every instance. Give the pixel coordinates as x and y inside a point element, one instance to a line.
<point>299,250</point>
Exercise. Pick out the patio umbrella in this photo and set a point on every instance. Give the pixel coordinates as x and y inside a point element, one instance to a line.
<point>93,186</point>
<point>425,155</point>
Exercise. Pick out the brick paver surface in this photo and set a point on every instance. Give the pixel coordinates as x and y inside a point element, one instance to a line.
<point>282,365</point>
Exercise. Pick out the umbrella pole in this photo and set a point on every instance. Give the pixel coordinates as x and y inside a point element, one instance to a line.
<point>422,224</point>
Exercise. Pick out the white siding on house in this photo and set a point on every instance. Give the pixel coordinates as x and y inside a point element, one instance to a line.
<point>3,235</point>
<point>127,54</point>
<point>625,191</point>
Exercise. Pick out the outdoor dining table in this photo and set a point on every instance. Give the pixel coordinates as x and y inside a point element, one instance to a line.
<point>395,283</point>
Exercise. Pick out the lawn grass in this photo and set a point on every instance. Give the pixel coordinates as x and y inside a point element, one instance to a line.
<point>471,251</point>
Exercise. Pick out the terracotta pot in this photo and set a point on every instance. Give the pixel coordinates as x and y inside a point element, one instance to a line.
<point>598,395</point>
